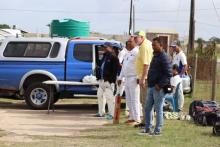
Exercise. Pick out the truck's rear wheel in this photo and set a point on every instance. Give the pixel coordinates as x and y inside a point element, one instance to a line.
<point>37,95</point>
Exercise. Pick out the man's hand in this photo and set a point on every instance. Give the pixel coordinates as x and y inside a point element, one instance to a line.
<point>119,82</point>
<point>142,83</point>
<point>157,87</point>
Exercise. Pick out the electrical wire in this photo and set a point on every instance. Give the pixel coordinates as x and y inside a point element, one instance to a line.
<point>208,24</point>
<point>178,13</point>
<point>216,12</point>
<point>157,20</point>
<point>103,12</point>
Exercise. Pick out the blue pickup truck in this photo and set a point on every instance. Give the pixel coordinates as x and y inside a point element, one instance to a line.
<point>27,62</point>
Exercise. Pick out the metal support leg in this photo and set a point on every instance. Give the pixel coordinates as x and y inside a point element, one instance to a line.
<point>48,109</point>
<point>51,100</point>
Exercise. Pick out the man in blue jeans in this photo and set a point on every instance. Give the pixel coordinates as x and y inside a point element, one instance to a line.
<point>158,77</point>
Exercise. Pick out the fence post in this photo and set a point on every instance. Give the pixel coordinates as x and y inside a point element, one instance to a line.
<point>214,78</point>
<point>194,75</point>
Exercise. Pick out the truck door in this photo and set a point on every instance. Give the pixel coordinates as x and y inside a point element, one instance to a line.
<point>80,63</point>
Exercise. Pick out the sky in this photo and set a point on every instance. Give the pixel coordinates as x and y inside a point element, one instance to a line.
<point>112,16</point>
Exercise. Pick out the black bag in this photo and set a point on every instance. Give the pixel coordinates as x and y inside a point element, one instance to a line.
<point>216,124</point>
<point>168,89</point>
<point>203,112</point>
<point>201,103</point>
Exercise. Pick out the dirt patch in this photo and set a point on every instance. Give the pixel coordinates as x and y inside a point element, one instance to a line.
<point>17,139</point>
<point>62,122</point>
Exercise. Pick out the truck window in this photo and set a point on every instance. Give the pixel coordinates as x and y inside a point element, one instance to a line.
<point>55,50</point>
<point>27,49</point>
<point>98,53</point>
<point>83,52</point>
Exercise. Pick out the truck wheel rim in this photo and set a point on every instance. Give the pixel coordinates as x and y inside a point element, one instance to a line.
<point>39,96</point>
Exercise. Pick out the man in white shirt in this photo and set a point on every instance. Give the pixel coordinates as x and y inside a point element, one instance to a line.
<point>179,58</point>
<point>122,54</point>
<point>132,89</point>
<point>121,57</point>
<point>176,82</point>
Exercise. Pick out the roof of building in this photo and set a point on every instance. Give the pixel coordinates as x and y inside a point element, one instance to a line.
<point>164,31</point>
<point>13,32</point>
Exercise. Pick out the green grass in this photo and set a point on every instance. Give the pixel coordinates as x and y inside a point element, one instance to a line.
<point>176,133</point>
<point>218,55</point>
<point>203,90</point>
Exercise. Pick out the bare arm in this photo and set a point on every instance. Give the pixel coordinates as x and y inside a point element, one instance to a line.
<point>144,75</point>
<point>145,71</point>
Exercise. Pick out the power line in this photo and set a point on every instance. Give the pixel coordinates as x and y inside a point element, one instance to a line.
<point>158,20</point>
<point>208,24</point>
<point>173,21</point>
<point>216,12</point>
<point>104,12</point>
<point>178,12</point>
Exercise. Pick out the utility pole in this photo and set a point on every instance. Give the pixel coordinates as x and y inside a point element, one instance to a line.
<point>133,19</point>
<point>130,20</point>
<point>191,48</point>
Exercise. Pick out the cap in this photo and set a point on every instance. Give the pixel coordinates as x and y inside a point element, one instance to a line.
<point>139,33</point>
<point>107,44</point>
<point>175,43</point>
<point>117,45</point>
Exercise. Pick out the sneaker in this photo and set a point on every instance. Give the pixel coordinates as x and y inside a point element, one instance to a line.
<point>140,125</point>
<point>109,117</point>
<point>145,132</point>
<point>99,115</point>
<point>155,134</point>
<point>133,123</point>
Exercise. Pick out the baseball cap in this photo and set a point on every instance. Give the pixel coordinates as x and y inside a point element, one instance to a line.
<point>107,44</point>
<point>175,43</point>
<point>117,45</point>
<point>139,33</point>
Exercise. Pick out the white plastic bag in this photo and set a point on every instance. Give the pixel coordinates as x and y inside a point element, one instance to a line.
<point>89,79</point>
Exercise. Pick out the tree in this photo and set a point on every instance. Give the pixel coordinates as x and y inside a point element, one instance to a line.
<point>200,40</point>
<point>214,39</point>
<point>200,46</point>
<point>207,49</point>
<point>4,26</point>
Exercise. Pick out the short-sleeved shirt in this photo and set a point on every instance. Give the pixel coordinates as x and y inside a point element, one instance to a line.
<point>144,57</point>
<point>174,81</point>
<point>122,54</point>
<point>128,67</point>
<point>180,58</point>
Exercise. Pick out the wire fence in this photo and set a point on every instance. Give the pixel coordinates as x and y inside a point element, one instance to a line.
<point>218,82</point>
<point>207,83</point>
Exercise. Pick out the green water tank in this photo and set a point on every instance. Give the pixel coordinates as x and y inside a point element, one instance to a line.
<point>69,28</point>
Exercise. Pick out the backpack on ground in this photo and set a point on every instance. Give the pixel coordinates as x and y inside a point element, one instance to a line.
<point>204,112</point>
<point>216,124</point>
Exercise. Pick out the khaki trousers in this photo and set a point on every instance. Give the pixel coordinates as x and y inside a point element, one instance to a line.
<point>143,99</point>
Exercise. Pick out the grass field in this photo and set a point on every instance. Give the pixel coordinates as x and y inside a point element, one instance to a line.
<point>204,90</point>
<point>218,55</point>
<point>176,133</point>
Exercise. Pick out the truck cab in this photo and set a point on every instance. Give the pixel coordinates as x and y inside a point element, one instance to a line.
<point>25,63</point>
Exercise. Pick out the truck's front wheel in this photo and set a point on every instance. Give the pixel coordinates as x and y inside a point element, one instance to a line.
<point>37,95</point>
